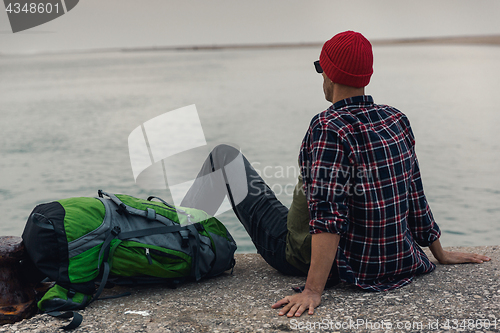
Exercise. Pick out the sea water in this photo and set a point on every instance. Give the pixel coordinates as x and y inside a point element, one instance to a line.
<point>65,121</point>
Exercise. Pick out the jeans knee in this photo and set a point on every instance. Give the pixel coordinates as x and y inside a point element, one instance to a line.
<point>225,150</point>
<point>223,154</point>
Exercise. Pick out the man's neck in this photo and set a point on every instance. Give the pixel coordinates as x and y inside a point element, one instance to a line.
<point>341,92</point>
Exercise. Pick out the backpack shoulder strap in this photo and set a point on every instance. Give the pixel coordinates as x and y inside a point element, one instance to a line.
<point>76,318</point>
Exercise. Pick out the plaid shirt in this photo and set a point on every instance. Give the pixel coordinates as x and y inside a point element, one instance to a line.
<point>362,181</point>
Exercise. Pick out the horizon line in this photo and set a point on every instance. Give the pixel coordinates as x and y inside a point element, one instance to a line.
<point>458,40</point>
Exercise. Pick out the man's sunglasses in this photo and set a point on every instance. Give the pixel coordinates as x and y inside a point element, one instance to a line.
<point>318,67</point>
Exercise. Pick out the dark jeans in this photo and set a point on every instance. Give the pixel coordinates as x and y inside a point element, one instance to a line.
<point>254,203</point>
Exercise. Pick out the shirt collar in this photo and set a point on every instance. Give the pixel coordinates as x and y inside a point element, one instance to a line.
<point>356,101</point>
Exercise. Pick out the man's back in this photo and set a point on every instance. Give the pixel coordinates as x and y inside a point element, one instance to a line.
<point>362,180</point>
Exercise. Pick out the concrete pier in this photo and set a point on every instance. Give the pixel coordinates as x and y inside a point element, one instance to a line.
<point>452,298</point>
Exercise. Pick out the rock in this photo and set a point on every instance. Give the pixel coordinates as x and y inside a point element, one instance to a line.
<point>17,299</point>
<point>241,302</point>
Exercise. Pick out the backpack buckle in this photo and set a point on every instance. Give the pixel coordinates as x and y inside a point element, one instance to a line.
<point>121,209</point>
<point>71,293</point>
<point>185,238</point>
<point>116,230</point>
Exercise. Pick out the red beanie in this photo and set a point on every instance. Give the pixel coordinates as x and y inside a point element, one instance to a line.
<point>347,59</point>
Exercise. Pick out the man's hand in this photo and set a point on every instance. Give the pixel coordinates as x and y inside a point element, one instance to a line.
<point>450,258</point>
<point>296,304</point>
<point>323,251</point>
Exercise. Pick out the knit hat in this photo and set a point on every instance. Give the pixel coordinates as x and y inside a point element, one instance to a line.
<point>347,59</point>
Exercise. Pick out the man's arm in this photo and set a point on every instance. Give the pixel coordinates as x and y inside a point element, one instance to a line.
<point>448,257</point>
<point>422,225</point>
<point>322,155</point>
<point>323,250</point>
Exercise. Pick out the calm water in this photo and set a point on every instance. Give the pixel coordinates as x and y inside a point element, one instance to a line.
<point>65,120</point>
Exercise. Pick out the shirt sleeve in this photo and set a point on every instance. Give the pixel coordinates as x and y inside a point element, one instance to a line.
<point>326,174</point>
<point>421,222</point>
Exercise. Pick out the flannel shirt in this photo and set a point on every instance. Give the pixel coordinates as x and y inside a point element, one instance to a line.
<point>362,181</point>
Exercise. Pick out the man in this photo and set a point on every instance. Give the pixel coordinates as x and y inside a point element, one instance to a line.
<point>365,197</point>
<point>363,214</point>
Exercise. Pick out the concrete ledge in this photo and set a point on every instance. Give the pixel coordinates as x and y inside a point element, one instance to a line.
<point>453,298</point>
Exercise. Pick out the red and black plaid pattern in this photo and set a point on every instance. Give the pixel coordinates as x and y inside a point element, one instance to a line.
<point>362,181</point>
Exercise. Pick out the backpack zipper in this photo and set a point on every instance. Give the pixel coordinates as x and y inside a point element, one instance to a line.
<point>148,255</point>
<point>160,254</point>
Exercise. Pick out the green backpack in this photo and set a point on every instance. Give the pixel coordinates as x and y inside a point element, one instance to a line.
<point>79,242</point>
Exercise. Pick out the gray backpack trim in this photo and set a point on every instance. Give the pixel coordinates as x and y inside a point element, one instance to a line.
<point>95,237</point>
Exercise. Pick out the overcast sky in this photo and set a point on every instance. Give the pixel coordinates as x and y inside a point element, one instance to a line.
<point>96,24</point>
